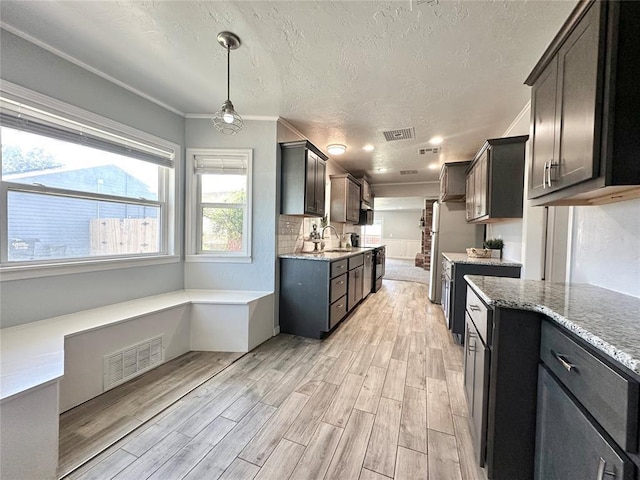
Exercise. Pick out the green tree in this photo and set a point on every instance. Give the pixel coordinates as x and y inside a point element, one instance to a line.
<point>17,160</point>
<point>226,224</point>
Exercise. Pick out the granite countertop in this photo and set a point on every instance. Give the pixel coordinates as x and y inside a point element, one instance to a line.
<point>327,256</point>
<point>608,320</point>
<point>463,258</point>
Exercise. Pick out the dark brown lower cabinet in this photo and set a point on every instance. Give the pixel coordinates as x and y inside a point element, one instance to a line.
<point>569,443</point>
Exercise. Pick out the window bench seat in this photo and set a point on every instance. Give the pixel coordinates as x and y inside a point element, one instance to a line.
<point>32,359</point>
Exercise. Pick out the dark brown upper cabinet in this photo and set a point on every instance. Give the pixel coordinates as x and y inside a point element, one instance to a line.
<point>345,199</point>
<point>585,102</point>
<point>452,181</point>
<point>495,181</point>
<point>303,174</point>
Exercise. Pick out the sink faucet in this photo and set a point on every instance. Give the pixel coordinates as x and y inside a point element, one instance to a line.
<point>334,231</point>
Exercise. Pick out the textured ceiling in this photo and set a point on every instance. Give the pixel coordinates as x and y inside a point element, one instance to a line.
<point>339,72</point>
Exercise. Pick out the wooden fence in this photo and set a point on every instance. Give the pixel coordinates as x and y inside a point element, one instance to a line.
<point>116,236</point>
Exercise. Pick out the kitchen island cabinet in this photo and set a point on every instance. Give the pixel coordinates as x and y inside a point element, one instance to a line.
<point>458,265</point>
<point>317,291</point>
<point>563,388</point>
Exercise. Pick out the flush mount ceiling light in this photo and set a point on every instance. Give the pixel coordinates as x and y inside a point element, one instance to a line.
<point>227,120</point>
<point>336,149</point>
<point>368,148</point>
<point>436,140</point>
<point>434,166</point>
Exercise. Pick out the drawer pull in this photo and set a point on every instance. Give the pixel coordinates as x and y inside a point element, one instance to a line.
<point>568,366</point>
<point>340,266</point>
<point>340,305</point>
<point>341,282</point>
<point>474,308</point>
<point>602,464</point>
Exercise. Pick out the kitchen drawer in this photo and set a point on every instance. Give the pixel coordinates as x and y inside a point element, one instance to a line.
<point>478,313</point>
<point>338,287</point>
<point>337,311</point>
<point>356,261</point>
<point>338,268</point>
<point>610,397</point>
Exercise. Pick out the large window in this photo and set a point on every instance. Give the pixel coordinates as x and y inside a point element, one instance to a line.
<point>221,209</point>
<point>73,192</point>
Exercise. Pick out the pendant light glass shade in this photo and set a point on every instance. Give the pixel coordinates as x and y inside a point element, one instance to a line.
<point>227,120</point>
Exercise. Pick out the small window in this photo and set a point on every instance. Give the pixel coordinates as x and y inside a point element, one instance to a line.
<point>73,192</point>
<point>222,203</point>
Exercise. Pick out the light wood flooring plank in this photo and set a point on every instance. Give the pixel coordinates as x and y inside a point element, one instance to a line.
<point>438,407</point>
<point>469,463</point>
<point>369,475</point>
<point>453,357</point>
<point>371,390</point>
<point>413,424</point>
<point>349,455</point>
<point>305,424</point>
<point>316,458</point>
<point>418,343</point>
<point>435,364</point>
<point>110,466</point>
<point>316,375</point>
<point>394,382</point>
<point>443,456</point>
<point>224,453</point>
<point>412,465</point>
<point>383,354</point>
<point>338,412</point>
<point>416,371</point>
<point>457,399</point>
<point>289,382</point>
<point>340,367</point>
<point>282,461</point>
<point>243,405</point>
<point>146,440</point>
<point>401,347</point>
<point>381,451</point>
<point>260,447</point>
<point>194,451</point>
<point>362,360</point>
<point>240,470</point>
<point>153,459</point>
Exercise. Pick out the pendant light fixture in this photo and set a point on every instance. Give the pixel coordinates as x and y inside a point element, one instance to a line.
<point>227,120</point>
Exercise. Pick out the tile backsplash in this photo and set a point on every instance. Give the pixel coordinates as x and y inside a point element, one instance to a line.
<point>292,231</point>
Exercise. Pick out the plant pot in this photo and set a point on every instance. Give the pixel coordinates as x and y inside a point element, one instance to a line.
<point>496,253</point>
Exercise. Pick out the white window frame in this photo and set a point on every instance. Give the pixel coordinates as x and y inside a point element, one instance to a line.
<point>170,239</point>
<point>193,220</point>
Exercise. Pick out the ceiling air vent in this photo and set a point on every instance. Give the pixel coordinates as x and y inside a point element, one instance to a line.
<point>408,172</point>
<point>424,151</point>
<point>400,134</point>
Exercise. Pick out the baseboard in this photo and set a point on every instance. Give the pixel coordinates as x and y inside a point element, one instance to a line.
<point>276,331</point>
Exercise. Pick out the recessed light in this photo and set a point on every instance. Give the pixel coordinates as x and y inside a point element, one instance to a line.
<point>436,140</point>
<point>336,149</point>
<point>368,148</point>
<point>434,166</point>
<point>382,169</point>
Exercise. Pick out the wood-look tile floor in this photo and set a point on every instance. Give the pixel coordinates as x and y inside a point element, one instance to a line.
<point>381,398</point>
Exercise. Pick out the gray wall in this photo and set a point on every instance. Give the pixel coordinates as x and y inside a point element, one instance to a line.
<point>260,273</point>
<point>400,224</point>
<point>23,301</point>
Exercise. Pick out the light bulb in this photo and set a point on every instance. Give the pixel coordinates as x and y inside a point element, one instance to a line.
<point>228,118</point>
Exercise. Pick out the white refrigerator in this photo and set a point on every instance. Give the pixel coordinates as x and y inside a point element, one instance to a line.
<point>450,232</point>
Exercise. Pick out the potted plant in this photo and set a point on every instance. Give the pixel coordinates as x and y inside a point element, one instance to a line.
<point>495,245</point>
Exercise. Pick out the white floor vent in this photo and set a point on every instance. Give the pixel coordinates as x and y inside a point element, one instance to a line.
<point>132,361</point>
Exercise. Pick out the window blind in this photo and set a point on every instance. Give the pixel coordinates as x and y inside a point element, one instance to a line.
<point>23,117</point>
<point>221,164</point>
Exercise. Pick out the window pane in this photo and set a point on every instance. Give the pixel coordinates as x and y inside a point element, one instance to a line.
<point>222,229</point>
<point>224,188</point>
<point>45,226</point>
<point>34,159</point>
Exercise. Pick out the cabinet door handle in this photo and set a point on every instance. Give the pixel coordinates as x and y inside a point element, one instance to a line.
<point>552,164</point>
<point>568,366</point>
<point>341,282</point>
<point>544,175</point>
<point>602,471</point>
<point>340,305</point>
<point>474,308</point>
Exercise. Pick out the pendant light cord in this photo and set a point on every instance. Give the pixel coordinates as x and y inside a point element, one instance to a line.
<point>228,70</point>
